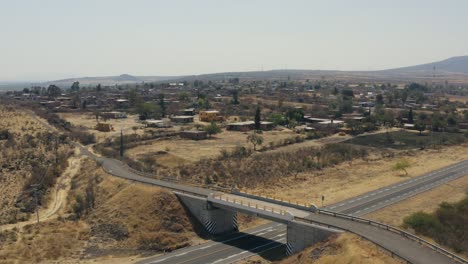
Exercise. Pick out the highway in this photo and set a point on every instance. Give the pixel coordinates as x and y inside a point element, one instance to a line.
<point>273,233</point>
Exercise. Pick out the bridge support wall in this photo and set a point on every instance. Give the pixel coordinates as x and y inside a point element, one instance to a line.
<point>301,235</point>
<point>215,220</point>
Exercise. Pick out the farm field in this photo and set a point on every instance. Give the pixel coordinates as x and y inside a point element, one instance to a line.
<point>177,151</point>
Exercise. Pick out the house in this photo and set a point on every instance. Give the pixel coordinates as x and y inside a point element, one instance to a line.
<point>310,119</point>
<point>114,115</point>
<point>366,104</point>
<point>122,103</point>
<point>463,125</point>
<point>104,127</point>
<point>182,119</point>
<point>188,112</point>
<point>249,125</point>
<point>50,104</point>
<point>157,123</point>
<point>330,123</point>
<point>210,116</point>
<point>241,126</point>
<point>195,135</point>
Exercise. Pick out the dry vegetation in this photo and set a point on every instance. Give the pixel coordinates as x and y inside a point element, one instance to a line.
<point>346,248</point>
<point>28,149</point>
<point>355,177</point>
<point>176,151</point>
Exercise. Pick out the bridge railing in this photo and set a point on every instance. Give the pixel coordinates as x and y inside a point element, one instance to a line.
<point>249,204</point>
<point>275,200</point>
<point>174,180</point>
<point>396,231</point>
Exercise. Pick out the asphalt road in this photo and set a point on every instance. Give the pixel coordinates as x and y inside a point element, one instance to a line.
<point>273,233</point>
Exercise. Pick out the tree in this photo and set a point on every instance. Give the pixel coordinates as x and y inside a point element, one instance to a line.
<point>98,87</point>
<point>146,110</point>
<point>379,99</point>
<point>121,144</point>
<point>184,96</point>
<point>402,164</point>
<point>347,92</point>
<point>235,96</point>
<point>257,118</point>
<point>255,139</point>
<point>75,87</point>
<point>278,119</point>
<point>212,129</point>
<point>335,91</point>
<point>420,126</point>
<point>53,91</point>
<point>162,105</point>
<point>410,116</point>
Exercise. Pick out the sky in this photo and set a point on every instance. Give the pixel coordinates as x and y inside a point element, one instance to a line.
<point>55,39</point>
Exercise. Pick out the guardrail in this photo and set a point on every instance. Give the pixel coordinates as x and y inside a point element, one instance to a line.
<point>253,205</point>
<point>396,231</point>
<point>301,206</point>
<point>174,180</point>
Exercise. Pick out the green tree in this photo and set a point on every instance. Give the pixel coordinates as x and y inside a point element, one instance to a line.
<point>255,139</point>
<point>75,87</point>
<point>162,105</point>
<point>420,126</point>
<point>146,110</point>
<point>257,118</point>
<point>410,116</point>
<point>235,96</point>
<point>53,91</point>
<point>379,99</point>
<point>184,96</point>
<point>212,129</point>
<point>121,144</point>
<point>278,119</point>
<point>402,164</point>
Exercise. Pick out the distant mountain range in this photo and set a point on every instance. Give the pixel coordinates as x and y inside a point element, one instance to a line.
<point>111,80</point>
<point>454,69</point>
<point>452,65</point>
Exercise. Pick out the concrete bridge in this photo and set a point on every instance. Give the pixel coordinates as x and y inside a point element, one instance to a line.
<point>218,213</point>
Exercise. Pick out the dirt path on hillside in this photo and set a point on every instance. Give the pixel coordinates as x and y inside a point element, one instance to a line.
<point>59,195</point>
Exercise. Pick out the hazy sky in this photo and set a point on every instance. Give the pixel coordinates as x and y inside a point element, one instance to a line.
<point>52,39</point>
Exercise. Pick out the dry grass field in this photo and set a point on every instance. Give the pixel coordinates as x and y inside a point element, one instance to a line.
<point>457,98</point>
<point>428,202</point>
<point>358,176</point>
<point>177,151</point>
<point>88,121</point>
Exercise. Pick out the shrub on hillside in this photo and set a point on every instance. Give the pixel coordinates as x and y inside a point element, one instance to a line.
<point>447,225</point>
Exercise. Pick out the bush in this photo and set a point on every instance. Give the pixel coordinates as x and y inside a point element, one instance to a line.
<point>447,225</point>
<point>422,222</point>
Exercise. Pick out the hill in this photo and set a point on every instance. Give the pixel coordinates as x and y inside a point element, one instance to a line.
<point>110,80</point>
<point>454,69</point>
<point>452,65</point>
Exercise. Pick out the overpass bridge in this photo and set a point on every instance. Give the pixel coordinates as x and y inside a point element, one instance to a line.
<point>216,209</point>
